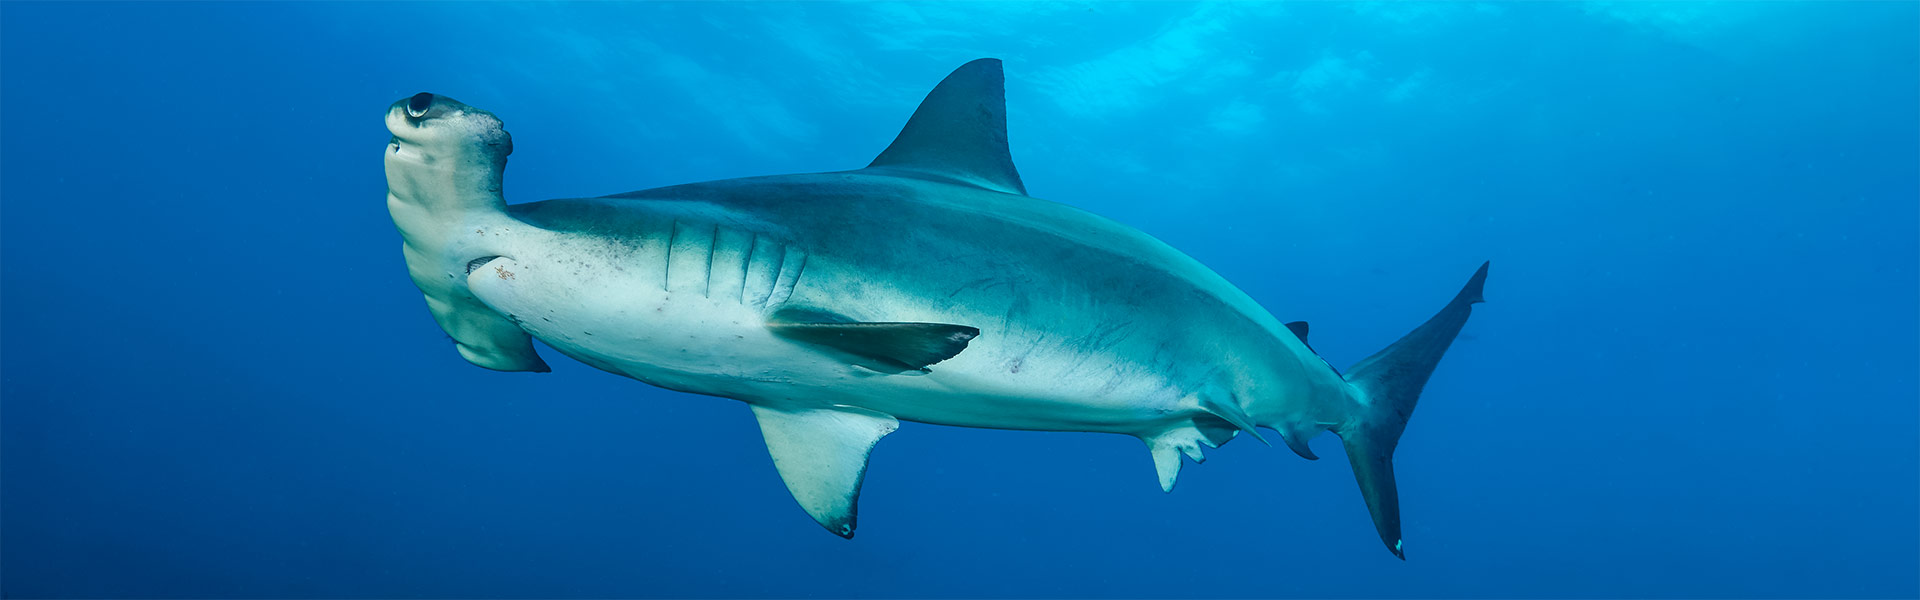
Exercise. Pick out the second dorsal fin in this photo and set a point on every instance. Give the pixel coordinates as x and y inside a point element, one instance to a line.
<point>959,133</point>
<point>1299,329</point>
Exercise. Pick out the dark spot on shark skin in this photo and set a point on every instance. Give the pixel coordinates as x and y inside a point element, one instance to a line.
<point>1014,366</point>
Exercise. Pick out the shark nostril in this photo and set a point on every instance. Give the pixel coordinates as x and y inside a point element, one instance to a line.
<point>479,262</point>
<point>417,105</point>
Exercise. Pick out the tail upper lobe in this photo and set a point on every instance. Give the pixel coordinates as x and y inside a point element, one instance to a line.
<point>1388,384</point>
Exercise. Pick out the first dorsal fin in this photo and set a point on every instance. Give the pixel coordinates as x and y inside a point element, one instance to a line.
<point>959,133</point>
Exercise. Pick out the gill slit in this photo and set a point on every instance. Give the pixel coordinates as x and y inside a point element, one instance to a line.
<point>713,247</point>
<point>779,266</point>
<point>786,293</point>
<point>666,273</point>
<point>798,272</point>
<point>746,266</point>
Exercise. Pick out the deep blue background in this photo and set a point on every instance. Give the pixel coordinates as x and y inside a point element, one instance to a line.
<point>1695,376</point>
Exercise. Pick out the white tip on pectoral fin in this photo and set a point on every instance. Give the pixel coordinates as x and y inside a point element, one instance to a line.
<point>821,454</point>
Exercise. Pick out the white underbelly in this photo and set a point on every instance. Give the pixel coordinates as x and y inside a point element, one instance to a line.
<point>688,335</point>
<point>697,345</point>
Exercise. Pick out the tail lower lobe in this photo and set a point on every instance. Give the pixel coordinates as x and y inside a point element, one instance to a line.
<point>1389,384</point>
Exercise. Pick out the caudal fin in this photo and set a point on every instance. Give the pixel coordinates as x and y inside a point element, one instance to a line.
<point>1388,385</point>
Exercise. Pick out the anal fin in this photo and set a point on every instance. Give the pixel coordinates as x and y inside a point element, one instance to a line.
<point>1296,435</point>
<point>821,454</point>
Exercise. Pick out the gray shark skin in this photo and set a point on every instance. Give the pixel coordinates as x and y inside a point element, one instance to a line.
<point>926,287</point>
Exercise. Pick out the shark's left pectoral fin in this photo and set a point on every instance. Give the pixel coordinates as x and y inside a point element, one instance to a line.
<point>822,456</point>
<point>884,347</point>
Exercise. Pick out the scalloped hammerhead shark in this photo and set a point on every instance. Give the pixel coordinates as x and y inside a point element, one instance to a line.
<point>926,287</point>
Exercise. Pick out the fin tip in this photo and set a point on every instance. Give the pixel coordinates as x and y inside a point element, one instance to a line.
<point>1472,292</point>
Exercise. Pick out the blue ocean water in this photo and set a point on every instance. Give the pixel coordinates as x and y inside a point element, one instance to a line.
<point>1695,375</point>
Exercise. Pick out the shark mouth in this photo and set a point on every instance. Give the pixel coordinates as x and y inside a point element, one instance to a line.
<point>479,262</point>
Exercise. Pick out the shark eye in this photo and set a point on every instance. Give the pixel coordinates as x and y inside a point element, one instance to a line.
<point>418,105</point>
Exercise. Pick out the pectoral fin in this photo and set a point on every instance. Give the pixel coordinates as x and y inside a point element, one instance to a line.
<point>884,347</point>
<point>821,454</point>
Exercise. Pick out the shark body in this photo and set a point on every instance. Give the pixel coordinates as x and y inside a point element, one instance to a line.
<point>927,287</point>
